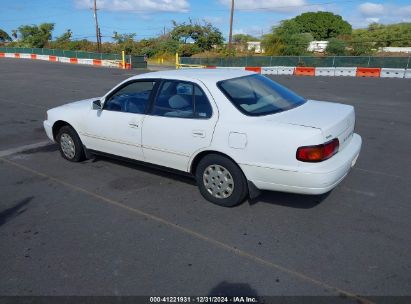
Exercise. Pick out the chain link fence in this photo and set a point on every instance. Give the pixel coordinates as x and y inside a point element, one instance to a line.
<point>61,53</point>
<point>136,61</point>
<point>308,61</point>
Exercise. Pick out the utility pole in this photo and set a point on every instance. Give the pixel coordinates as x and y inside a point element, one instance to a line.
<point>99,36</point>
<point>97,28</point>
<point>230,36</point>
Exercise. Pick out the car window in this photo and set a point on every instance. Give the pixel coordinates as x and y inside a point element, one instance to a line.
<point>181,99</point>
<point>258,95</point>
<point>132,98</point>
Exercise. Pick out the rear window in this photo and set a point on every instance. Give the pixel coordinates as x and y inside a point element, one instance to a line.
<point>257,95</point>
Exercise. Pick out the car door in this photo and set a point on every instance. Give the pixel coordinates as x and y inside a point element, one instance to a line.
<point>180,122</point>
<point>116,128</point>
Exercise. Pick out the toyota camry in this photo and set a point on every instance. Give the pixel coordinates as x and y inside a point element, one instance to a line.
<point>235,131</point>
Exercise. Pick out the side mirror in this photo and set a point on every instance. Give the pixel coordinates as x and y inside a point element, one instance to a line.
<point>97,105</point>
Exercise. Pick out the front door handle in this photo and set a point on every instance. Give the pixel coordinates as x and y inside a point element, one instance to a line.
<point>198,133</point>
<point>133,125</point>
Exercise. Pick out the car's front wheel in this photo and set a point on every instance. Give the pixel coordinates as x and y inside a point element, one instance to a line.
<point>221,181</point>
<point>70,144</point>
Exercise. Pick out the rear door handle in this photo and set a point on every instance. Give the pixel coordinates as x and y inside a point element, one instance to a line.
<point>198,133</point>
<point>133,125</point>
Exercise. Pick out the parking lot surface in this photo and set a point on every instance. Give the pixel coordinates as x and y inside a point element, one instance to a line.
<point>104,227</point>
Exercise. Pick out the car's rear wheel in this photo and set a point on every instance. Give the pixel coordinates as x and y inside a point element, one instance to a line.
<point>70,144</point>
<point>221,181</point>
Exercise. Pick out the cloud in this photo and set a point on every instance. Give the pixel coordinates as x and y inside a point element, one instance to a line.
<point>372,19</point>
<point>267,5</point>
<point>216,20</point>
<point>371,9</point>
<point>369,12</point>
<point>137,5</point>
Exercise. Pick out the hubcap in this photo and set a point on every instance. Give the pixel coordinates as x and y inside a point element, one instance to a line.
<point>218,181</point>
<point>67,145</point>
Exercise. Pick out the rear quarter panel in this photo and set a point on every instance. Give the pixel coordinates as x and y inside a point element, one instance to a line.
<point>268,144</point>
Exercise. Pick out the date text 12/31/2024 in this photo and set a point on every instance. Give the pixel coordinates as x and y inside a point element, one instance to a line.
<point>205,299</point>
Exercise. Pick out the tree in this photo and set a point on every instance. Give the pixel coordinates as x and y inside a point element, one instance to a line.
<point>272,44</point>
<point>322,25</point>
<point>63,41</point>
<point>14,34</point>
<point>287,39</point>
<point>286,29</point>
<point>123,38</point>
<point>65,37</point>
<point>36,36</point>
<point>203,35</point>
<point>4,37</point>
<point>296,44</point>
<point>126,41</point>
<point>189,49</point>
<point>359,48</point>
<point>292,36</point>
<point>336,47</point>
<point>381,35</point>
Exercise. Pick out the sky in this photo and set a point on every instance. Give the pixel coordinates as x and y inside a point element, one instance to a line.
<point>148,18</point>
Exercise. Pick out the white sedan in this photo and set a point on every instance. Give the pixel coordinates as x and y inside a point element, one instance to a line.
<point>236,131</point>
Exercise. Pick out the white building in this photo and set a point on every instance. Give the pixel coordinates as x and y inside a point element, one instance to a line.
<point>392,49</point>
<point>317,46</point>
<point>256,46</point>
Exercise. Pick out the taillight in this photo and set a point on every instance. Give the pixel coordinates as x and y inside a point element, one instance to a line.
<point>318,153</point>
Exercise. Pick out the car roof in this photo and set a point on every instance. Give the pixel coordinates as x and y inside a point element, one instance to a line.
<point>205,75</point>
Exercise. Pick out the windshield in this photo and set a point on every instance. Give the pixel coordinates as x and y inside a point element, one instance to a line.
<point>258,95</point>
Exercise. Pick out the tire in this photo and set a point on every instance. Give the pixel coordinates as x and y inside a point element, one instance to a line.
<point>70,144</point>
<point>215,170</point>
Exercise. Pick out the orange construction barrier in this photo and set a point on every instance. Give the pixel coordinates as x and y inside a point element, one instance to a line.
<point>211,67</point>
<point>96,62</point>
<point>73,60</point>
<point>304,71</point>
<point>368,72</point>
<point>53,58</point>
<point>253,69</point>
<point>16,55</point>
<point>127,66</point>
<point>1,54</point>
<point>33,56</point>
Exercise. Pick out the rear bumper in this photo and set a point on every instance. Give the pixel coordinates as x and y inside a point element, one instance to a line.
<point>49,129</point>
<point>317,178</point>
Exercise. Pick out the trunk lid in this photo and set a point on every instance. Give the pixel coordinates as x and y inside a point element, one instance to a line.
<point>333,119</point>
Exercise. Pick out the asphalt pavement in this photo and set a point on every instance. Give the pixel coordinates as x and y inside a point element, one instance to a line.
<point>104,227</point>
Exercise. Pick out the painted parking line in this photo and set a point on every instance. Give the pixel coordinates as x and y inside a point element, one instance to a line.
<point>360,192</point>
<point>20,149</point>
<point>376,172</point>
<point>195,234</point>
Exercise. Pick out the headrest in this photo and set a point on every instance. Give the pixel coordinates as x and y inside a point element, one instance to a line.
<point>178,102</point>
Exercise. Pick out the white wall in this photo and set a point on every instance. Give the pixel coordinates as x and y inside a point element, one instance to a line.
<point>395,49</point>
